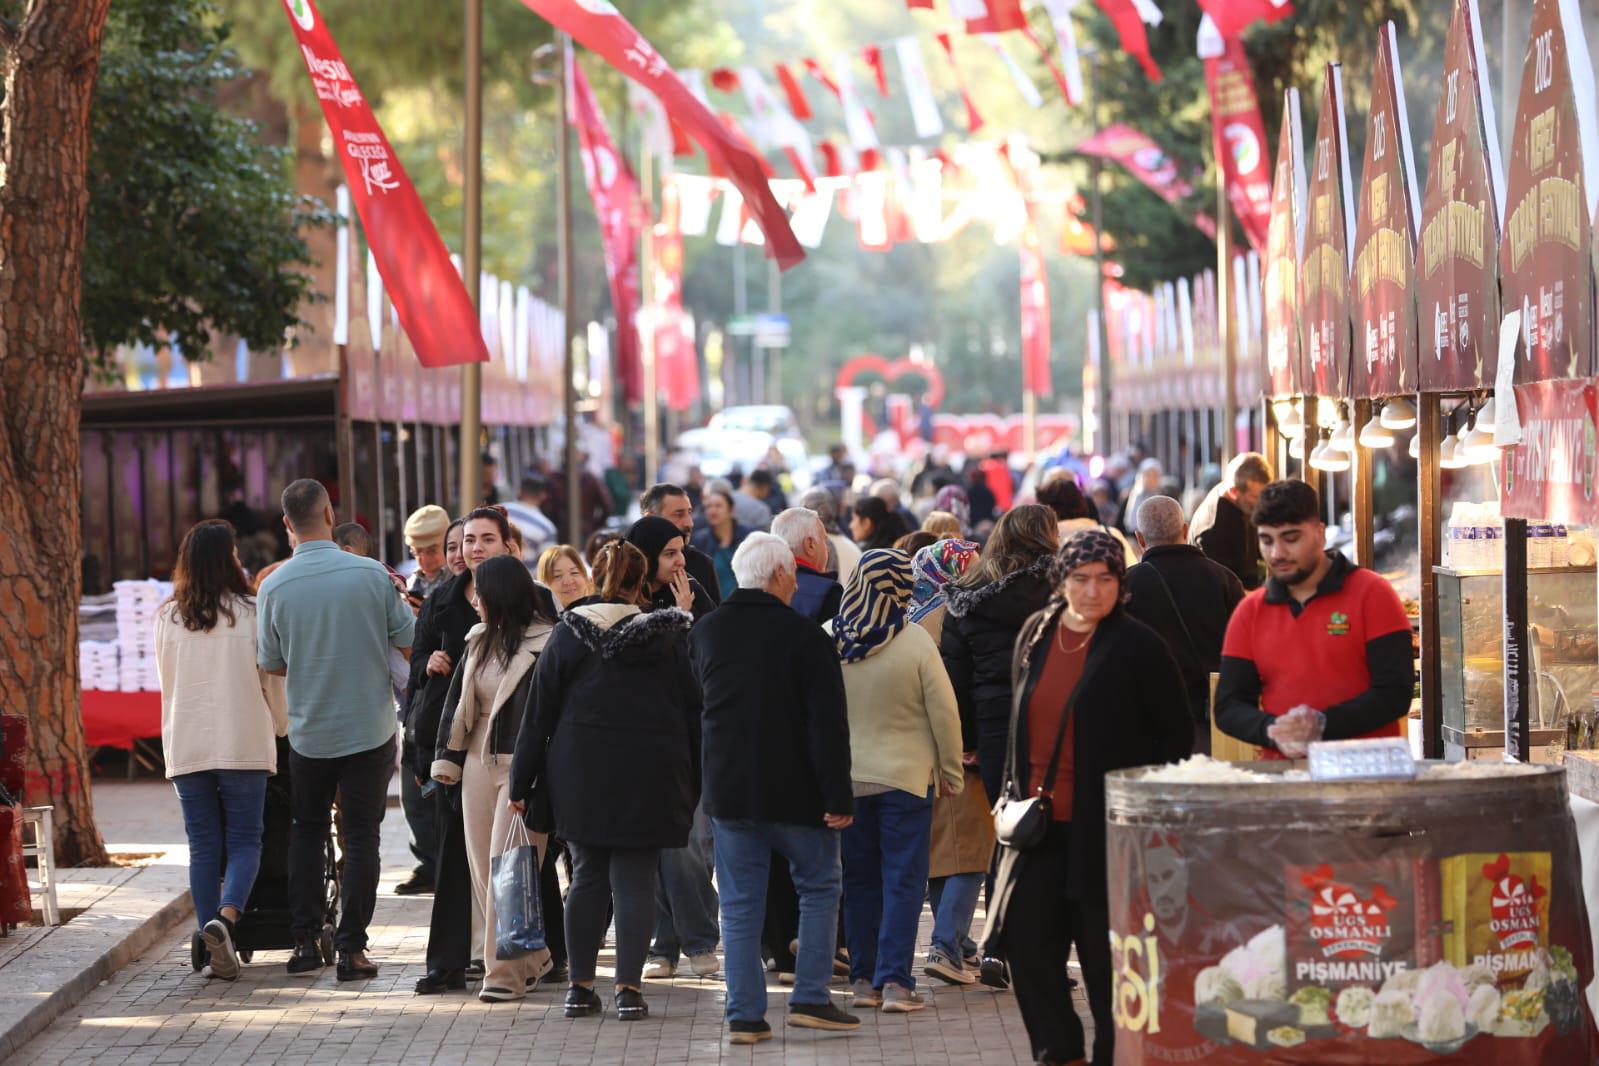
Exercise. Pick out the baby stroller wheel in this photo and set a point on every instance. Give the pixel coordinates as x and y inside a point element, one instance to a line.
<point>245,955</point>
<point>199,955</point>
<point>325,942</point>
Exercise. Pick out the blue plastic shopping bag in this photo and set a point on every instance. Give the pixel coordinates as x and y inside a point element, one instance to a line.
<point>518,912</point>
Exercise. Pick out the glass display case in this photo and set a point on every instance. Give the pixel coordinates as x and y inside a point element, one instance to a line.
<point>1563,617</point>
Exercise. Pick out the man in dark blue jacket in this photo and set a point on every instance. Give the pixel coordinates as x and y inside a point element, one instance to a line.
<point>818,592</point>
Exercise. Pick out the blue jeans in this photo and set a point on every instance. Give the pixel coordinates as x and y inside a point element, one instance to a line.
<point>885,882</point>
<point>954,900</point>
<point>743,864</point>
<point>222,812</point>
<point>685,899</point>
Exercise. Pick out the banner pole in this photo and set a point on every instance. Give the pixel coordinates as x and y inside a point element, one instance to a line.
<point>472,259</point>
<point>563,150</point>
<point>1106,440</point>
<point>652,403</point>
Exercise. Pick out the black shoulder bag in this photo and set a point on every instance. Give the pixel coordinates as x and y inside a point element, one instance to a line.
<point>1021,822</point>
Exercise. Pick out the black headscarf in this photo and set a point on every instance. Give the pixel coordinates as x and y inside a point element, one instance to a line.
<point>649,535</point>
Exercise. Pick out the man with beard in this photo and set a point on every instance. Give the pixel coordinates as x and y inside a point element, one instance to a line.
<point>1322,651</point>
<point>673,504</point>
<point>1221,523</point>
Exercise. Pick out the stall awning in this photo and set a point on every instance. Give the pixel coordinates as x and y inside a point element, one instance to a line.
<point>262,402</point>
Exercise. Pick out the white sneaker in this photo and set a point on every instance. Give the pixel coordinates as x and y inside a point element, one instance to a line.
<point>660,970</point>
<point>704,965</point>
<point>219,942</point>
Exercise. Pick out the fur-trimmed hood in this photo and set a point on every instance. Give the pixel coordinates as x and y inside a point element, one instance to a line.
<point>1016,593</point>
<point>614,629</point>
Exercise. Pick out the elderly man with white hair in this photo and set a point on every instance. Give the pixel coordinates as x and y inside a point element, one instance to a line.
<point>777,778</point>
<point>843,555</point>
<point>887,490</point>
<point>1185,597</point>
<point>817,593</point>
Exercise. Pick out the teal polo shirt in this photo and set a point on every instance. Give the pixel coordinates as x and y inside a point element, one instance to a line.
<point>329,618</point>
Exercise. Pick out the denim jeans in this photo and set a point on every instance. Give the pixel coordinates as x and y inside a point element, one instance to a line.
<point>885,882</point>
<point>685,899</point>
<point>222,812</point>
<point>954,901</point>
<point>361,783</point>
<point>743,863</point>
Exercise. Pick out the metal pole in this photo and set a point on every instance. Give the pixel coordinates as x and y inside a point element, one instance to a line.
<point>773,392</point>
<point>1097,168</point>
<point>1224,315</point>
<point>574,483</point>
<point>472,257</point>
<point>652,405</point>
<point>1429,475</point>
<point>1361,470</point>
<point>738,394</point>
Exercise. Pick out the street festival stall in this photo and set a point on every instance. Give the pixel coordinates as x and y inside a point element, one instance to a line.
<point>1442,912</point>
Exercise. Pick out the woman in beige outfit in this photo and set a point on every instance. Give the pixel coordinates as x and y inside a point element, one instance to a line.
<point>477,737</point>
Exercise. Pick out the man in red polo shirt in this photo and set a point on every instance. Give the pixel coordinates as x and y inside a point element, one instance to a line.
<point>1323,649</point>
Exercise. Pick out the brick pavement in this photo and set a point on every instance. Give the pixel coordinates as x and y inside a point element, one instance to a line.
<point>157,1011</point>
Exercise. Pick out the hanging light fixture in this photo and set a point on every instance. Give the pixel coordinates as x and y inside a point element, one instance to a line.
<point>1398,413</point>
<point>1376,435</point>
<point>1415,446</point>
<point>1343,437</point>
<point>1448,458</point>
<point>1329,458</point>
<point>1290,423</point>
<point>1296,448</point>
<point>1487,415</point>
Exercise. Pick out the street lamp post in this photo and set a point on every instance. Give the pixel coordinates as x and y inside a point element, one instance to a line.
<point>472,258</point>
<point>574,484</point>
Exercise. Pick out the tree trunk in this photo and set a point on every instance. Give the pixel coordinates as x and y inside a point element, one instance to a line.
<point>51,59</point>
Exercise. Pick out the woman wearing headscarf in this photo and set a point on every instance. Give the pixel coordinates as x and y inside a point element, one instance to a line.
<point>904,746</point>
<point>668,583</point>
<point>1095,691</point>
<point>952,499</point>
<point>963,831</point>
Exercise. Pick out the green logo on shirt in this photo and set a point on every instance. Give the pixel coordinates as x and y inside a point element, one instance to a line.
<point>1338,624</point>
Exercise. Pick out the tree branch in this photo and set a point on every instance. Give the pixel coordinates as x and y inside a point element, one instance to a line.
<point>9,34</point>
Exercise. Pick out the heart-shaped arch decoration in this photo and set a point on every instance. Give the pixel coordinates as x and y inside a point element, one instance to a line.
<point>891,373</point>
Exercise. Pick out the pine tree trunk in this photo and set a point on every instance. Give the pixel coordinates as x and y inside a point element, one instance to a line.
<point>51,59</point>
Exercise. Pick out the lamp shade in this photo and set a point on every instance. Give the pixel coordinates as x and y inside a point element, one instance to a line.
<point>1375,435</point>
<point>1343,437</point>
<point>1415,446</point>
<point>1292,423</point>
<point>1398,413</point>
<point>1329,459</point>
<point>1448,457</point>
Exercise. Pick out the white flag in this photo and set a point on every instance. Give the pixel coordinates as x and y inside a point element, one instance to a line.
<point>652,119</point>
<point>862,134</point>
<point>918,90</point>
<point>927,197</point>
<point>694,195</point>
<point>727,228</point>
<point>694,80</point>
<point>1060,17</point>
<point>1024,84</point>
<point>809,221</point>
<point>341,271</point>
<point>772,124</point>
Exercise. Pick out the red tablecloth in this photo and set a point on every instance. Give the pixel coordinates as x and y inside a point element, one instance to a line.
<point>117,719</point>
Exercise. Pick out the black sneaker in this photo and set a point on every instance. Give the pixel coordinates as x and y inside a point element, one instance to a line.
<point>307,957</point>
<point>218,937</point>
<point>994,973</point>
<point>436,982</point>
<point>355,966</point>
<point>630,1005</point>
<point>748,1032</point>
<point>821,1016</point>
<point>475,970</point>
<point>418,885</point>
<point>558,976</point>
<point>582,1002</point>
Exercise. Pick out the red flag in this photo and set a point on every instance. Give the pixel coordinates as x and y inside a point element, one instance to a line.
<point>1000,16</point>
<point>817,71</point>
<point>873,55</point>
<point>1232,17</point>
<point>801,168</point>
<point>1240,137</point>
<point>1130,28</point>
<point>1035,316</point>
<point>616,198</point>
<point>912,5</point>
<point>974,120</point>
<point>1145,160</point>
<point>1054,68</point>
<point>600,27</point>
<point>434,308</point>
<point>677,364</point>
<point>797,102</point>
<point>830,156</point>
<point>725,79</point>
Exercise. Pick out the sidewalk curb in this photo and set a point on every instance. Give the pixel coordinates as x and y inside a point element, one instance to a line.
<point>69,993</point>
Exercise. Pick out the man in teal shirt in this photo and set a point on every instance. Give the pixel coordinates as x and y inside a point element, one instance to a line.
<point>326,622</point>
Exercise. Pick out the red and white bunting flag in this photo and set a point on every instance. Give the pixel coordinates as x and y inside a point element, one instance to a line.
<point>725,79</point>
<point>810,217</point>
<point>1147,162</point>
<point>925,5</point>
<point>774,125</point>
<point>832,163</point>
<point>1035,315</point>
<point>873,56</point>
<point>598,26</point>
<point>918,89</point>
<point>989,16</point>
<point>1069,75</point>
<point>731,221</point>
<point>426,290</point>
<point>797,101</point>
<point>1018,77</point>
<point>694,195</point>
<point>871,205</point>
<point>663,137</point>
<point>1233,17</point>
<point>858,123</point>
<point>974,120</point>
<point>817,71</point>
<point>1129,17</point>
<point>616,206</point>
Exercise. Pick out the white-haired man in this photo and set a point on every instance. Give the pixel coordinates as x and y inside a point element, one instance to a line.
<point>817,593</point>
<point>777,778</point>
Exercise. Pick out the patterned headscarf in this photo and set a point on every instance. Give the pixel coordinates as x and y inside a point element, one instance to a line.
<point>872,612</point>
<point>952,498</point>
<point>933,567</point>
<point>1088,546</point>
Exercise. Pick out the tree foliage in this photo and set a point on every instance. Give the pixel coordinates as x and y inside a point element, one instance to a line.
<point>194,225</point>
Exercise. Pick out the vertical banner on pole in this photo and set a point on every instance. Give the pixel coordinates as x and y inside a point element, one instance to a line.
<point>1285,241</point>
<point>1324,274</point>
<point>1034,316</point>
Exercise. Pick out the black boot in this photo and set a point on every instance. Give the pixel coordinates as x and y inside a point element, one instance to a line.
<point>435,982</point>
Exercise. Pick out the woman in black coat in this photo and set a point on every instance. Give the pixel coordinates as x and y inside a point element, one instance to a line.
<point>1101,688</point>
<point>666,563</point>
<point>987,607</point>
<point>611,739</point>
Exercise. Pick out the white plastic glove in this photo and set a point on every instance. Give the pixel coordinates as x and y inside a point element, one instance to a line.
<point>1296,731</point>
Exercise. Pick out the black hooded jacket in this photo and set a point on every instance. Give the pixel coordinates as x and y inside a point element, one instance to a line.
<point>613,719</point>
<point>979,638</point>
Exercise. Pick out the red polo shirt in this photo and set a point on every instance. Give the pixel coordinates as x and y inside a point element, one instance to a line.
<point>1315,653</point>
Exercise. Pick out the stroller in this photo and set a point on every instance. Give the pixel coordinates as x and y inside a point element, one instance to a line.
<point>265,924</point>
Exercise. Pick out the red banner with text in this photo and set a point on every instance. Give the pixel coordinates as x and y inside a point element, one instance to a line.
<point>1550,475</point>
<point>1035,316</point>
<point>1149,163</point>
<point>1240,136</point>
<point>433,305</point>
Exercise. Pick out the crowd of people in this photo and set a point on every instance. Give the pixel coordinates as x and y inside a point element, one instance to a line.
<point>775,730</point>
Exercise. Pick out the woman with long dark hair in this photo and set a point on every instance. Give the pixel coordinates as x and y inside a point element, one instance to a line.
<point>721,536</point>
<point>1095,690</point>
<point>218,729</point>
<point>873,524</point>
<point>611,738</point>
<point>477,737</point>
